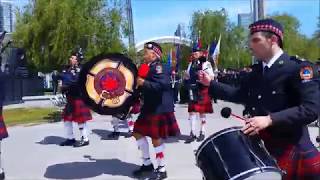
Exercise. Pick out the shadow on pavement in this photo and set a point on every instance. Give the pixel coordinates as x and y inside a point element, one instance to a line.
<point>51,140</point>
<point>181,137</point>
<point>104,134</point>
<point>89,169</point>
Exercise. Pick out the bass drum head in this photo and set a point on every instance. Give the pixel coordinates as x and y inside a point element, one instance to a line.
<point>215,135</point>
<point>108,83</point>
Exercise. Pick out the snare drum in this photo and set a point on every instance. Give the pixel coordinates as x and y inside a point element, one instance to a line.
<point>230,154</point>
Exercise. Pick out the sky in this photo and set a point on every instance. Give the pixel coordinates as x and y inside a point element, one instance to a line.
<point>153,18</point>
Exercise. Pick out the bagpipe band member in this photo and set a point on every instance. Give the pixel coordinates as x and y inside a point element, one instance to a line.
<point>75,109</point>
<point>200,102</point>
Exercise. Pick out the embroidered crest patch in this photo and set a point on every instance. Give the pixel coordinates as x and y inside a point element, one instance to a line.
<point>306,73</point>
<point>158,69</point>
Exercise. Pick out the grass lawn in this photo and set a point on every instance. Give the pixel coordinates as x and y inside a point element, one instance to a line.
<point>20,116</point>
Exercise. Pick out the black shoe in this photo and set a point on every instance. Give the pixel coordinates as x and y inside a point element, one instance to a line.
<point>201,137</point>
<point>158,175</point>
<point>2,176</point>
<point>191,138</point>
<point>68,142</point>
<point>143,171</point>
<point>114,135</point>
<point>81,143</point>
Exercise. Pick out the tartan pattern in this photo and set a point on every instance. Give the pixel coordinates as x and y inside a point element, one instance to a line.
<point>301,162</point>
<point>136,107</point>
<point>266,27</point>
<point>3,128</point>
<point>76,111</point>
<point>202,106</point>
<point>157,125</point>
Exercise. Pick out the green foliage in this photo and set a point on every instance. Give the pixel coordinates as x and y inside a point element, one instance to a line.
<point>234,40</point>
<point>20,116</point>
<point>50,29</point>
<point>294,42</point>
<point>210,25</point>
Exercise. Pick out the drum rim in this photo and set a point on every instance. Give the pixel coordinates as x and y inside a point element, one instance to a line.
<point>256,171</point>
<point>216,135</point>
<point>250,171</point>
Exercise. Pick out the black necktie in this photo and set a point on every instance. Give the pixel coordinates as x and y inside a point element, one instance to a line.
<point>265,70</point>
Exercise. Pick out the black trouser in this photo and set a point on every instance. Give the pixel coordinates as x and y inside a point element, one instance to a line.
<point>55,88</point>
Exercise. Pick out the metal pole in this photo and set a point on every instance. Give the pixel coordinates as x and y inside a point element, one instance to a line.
<point>258,13</point>
<point>258,9</point>
<point>130,21</point>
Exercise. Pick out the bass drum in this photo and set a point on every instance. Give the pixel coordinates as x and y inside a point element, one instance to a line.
<point>231,155</point>
<point>108,83</point>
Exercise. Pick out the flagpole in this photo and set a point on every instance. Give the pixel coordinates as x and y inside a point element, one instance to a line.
<point>208,52</point>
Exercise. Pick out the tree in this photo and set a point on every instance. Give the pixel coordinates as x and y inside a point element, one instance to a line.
<point>50,29</point>
<point>294,42</point>
<point>209,25</point>
<point>317,33</point>
<point>316,37</point>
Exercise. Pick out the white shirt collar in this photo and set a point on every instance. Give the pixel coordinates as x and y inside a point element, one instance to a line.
<point>273,59</point>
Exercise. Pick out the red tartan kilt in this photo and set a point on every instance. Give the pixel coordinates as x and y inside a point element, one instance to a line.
<point>76,111</point>
<point>3,128</point>
<point>136,108</point>
<point>157,126</point>
<point>202,106</point>
<point>298,162</point>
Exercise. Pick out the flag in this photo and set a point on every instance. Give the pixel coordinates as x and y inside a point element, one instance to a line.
<point>212,48</point>
<point>169,60</point>
<point>216,51</point>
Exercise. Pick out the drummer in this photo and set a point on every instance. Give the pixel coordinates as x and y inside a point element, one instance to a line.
<point>281,99</point>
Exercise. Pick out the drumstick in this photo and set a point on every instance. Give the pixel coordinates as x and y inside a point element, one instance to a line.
<point>226,112</point>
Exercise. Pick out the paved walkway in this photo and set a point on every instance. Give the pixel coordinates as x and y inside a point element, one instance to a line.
<point>32,152</point>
